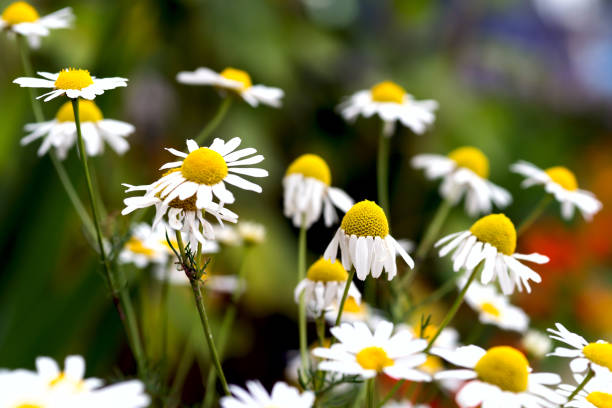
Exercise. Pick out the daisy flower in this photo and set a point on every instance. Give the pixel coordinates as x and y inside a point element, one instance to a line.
<point>561,183</point>
<point>146,246</point>
<point>492,239</point>
<point>595,394</point>
<point>21,388</point>
<point>251,233</point>
<point>234,80</point>
<point>75,83</point>
<point>256,396</point>
<point>355,310</point>
<point>227,235</point>
<point>536,343</point>
<point>498,377</point>
<point>21,18</point>
<point>361,352</point>
<point>227,284</point>
<point>324,286</point>
<point>308,192</point>
<point>465,171</point>
<point>581,352</point>
<point>447,340</point>
<point>365,242</point>
<point>60,132</point>
<point>494,308</point>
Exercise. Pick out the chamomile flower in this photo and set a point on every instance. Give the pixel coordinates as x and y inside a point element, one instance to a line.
<point>146,246</point>
<point>354,310</point>
<point>492,239</point>
<point>391,103</point>
<point>494,308</point>
<point>308,192</point>
<point>213,282</point>
<point>21,18</point>
<point>561,183</point>
<point>21,388</point>
<point>595,394</point>
<point>498,377</point>
<point>365,242</point>
<point>536,343</point>
<point>251,233</point>
<point>234,80</point>
<point>60,133</point>
<point>324,286</point>
<point>75,83</point>
<point>256,396</point>
<point>447,340</point>
<point>361,352</point>
<point>581,352</point>
<point>465,171</point>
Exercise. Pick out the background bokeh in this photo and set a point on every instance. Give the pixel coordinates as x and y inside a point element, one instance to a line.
<point>518,79</point>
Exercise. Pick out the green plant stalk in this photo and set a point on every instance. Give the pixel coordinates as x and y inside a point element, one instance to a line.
<point>371,384</point>
<point>349,280</point>
<point>215,121</point>
<point>393,390</point>
<point>382,171</point>
<point>120,297</point>
<point>535,214</point>
<point>302,327</point>
<point>182,370</point>
<point>580,387</point>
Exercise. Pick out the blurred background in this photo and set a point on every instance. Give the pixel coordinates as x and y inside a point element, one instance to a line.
<point>523,79</point>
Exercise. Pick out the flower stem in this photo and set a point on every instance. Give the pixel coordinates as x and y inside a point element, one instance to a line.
<point>120,297</point>
<point>580,387</point>
<point>382,171</point>
<point>371,384</point>
<point>393,390</point>
<point>534,215</point>
<point>344,296</point>
<point>302,306</point>
<point>215,121</point>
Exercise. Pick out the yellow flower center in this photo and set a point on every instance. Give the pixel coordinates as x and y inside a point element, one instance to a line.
<point>29,406</point>
<point>365,219</point>
<point>311,165</point>
<point>428,332</point>
<point>351,306</point>
<point>471,158</point>
<point>600,399</point>
<point>388,91</point>
<point>73,78</point>
<point>19,12</point>
<point>497,230</point>
<point>373,358</point>
<point>563,177</point>
<point>204,166</point>
<point>505,367</point>
<point>489,308</point>
<point>88,112</point>
<point>237,75</point>
<point>136,246</point>
<point>327,271</point>
<point>432,365</point>
<point>599,353</point>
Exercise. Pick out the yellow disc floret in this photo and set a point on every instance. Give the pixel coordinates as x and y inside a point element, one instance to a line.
<point>373,358</point>
<point>563,177</point>
<point>365,219</point>
<point>600,399</point>
<point>237,75</point>
<point>19,12</point>
<point>505,367</point>
<point>72,78</point>
<point>88,112</point>
<point>432,365</point>
<point>388,91</point>
<point>204,166</point>
<point>428,332</point>
<point>327,271</point>
<point>29,406</point>
<point>311,165</point>
<point>490,308</point>
<point>497,230</point>
<point>136,246</point>
<point>351,306</point>
<point>471,158</point>
<point>599,353</point>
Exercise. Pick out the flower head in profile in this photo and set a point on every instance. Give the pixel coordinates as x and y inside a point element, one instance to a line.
<point>498,377</point>
<point>581,351</point>
<point>256,396</point>
<point>361,352</point>
<point>74,83</point>
<point>492,240</point>
<point>60,132</point>
<point>251,233</point>
<point>324,285</point>
<point>391,103</point>
<point>146,246</point>
<point>536,343</point>
<point>354,310</point>
<point>597,392</point>
<point>234,80</point>
<point>21,18</point>
<point>308,192</point>
<point>465,171</point>
<point>561,183</point>
<point>365,242</point>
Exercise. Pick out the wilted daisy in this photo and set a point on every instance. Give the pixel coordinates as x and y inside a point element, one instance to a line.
<point>75,83</point>
<point>391,103</point>
<point>235,80</point>
<point>561,183</point>
<point>498,377</point>
<point>536,343</point>
<point>324,286</point>
<point>597,392</point>
<point>60,133</point>
<point>492,239</point>
<point>21,18</point>
<point>465,171</point>
<point>361,352</point>
<point>146,246</point>
<point>365,242</point>
<point>308,192</point>
<point>251,233</point>
<point>256,396</point>
<point>581,352</point>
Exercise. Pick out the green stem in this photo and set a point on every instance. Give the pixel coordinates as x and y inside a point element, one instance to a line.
<point>371,383</point>
<point>182,370</point>
<point>580,387</point>
<point>215,121</point>
<point>382,171</point>
<point>27,67</point>
<point>392,392</point>
<point>344,296</point>
<point>302,306</point>
<point>534,215</point>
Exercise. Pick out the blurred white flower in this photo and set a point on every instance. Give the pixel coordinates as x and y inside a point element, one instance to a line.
<point>536,343</point>
<point>21,18</point>
<point>256,396</point>
<point>251,233</point>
